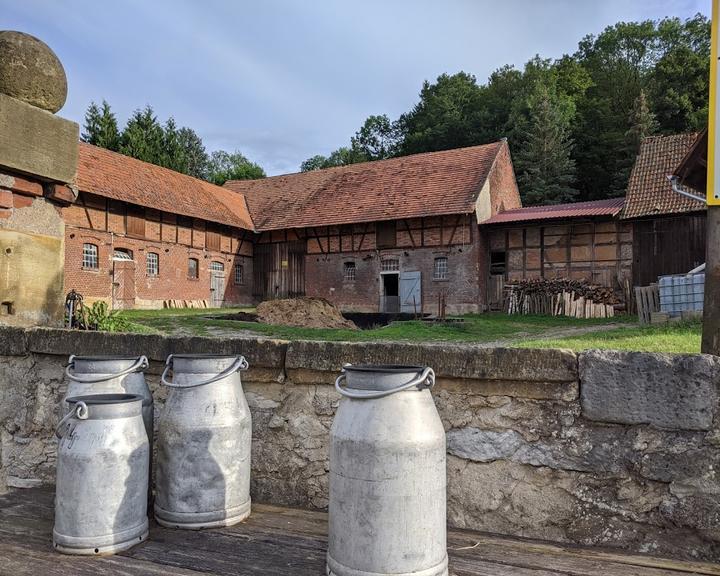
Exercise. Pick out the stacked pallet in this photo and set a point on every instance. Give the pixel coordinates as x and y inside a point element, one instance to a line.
<point>560,297</point>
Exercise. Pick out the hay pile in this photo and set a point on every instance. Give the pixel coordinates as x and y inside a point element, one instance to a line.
<point>303,313</point>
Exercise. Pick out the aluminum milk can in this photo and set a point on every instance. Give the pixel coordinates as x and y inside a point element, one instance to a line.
<point>204,436</point>
<point>102,475</point>
<point>387,504</point>
<point>110,375</point>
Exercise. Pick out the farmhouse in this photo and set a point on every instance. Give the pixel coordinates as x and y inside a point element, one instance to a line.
<point>394,235</point>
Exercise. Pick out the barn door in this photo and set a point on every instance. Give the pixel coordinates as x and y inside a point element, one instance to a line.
<point>217,284</point>
<point>123,284</point>
<point>410,292</point>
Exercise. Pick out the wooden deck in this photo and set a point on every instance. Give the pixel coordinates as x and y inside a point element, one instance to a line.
<point>283,541</point>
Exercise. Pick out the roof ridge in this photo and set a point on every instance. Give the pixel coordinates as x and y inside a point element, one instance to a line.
<point>497,143</point>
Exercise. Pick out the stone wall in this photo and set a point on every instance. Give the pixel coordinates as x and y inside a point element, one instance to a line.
<point>602,448</point>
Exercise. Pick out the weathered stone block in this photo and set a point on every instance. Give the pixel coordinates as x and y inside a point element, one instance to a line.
<point>670,391</point>
<point>37,142</point>
<point>13,341</point>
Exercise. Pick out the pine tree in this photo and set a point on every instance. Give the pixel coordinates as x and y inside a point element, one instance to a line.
<point>546,170</point>
<point>101,127</point>
<point>173,155</point>
<point>642,123</point>
<point>143,137</point>
<point>196,158</point>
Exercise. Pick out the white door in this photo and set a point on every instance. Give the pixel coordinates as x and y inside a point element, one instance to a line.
<point>217,284</point>
<point>410,292</point>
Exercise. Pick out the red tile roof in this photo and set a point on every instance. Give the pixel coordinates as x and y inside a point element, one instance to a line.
<point>609,207</point>
<point>649,193</point>
<point>120,177</point>
<point>429,184</point>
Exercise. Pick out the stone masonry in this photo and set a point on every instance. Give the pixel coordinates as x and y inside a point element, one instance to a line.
<point>602,448</point>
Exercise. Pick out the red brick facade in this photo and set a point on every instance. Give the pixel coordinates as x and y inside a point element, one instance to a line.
<point>104,223</point>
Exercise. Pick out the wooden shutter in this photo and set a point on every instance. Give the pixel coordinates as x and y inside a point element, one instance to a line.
<point>136,222</point>
<point>212,240</point>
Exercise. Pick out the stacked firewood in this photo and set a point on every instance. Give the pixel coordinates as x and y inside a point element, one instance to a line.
<point>560,297</point>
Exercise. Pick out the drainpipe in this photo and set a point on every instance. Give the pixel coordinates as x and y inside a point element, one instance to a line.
<point>675,183</point>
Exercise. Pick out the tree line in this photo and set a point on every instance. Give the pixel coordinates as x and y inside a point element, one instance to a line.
<point>179,149</point>
<point>574,124</point>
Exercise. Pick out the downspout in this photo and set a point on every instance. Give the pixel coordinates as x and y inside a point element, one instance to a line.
<point>675,183</point>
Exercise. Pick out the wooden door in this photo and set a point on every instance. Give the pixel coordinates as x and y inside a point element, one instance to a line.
<point>410,292</point>
<point>123,284</point>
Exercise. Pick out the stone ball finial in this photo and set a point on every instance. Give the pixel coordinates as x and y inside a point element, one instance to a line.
<point>30,71</point>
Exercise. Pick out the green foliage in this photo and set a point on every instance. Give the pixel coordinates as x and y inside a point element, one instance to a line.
<point>97,317</point>
<point>573,124</point>
<point>179,149</point>
<point>101,128</point>
<point>224,166</point>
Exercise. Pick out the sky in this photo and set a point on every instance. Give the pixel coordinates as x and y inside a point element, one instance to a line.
<point>283,80</point>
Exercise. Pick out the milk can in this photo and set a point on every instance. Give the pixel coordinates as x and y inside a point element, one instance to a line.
<point>110,375</point>
<point>387,504</point>
<point>102,475</point>
<point>204,437</point>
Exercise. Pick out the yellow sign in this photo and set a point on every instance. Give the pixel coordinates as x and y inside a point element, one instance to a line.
<point>713,183</point>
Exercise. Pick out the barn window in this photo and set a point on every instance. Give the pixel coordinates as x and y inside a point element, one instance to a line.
<point>239,275</point>
<point>122,255</point>
<point>349,271</point>
<point>152,264</point>
<point>497,263</point>
<point>390,265</point>
<point>212,240</point>
<point>90,256</point>
<point>193,267</point>
<point>217,266</point>
<point>440,268</point>
<point>135,222</point>
<point>386,234</point>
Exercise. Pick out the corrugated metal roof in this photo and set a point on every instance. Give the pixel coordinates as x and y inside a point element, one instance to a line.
<point>609,207</point>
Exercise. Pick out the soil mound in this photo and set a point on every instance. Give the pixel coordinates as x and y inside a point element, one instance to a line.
<point>303,313</point>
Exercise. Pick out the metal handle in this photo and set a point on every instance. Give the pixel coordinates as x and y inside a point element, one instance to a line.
<point>140,364</point>
<point>425,380</point>
<point>80,412</point>
<point>239,364</point>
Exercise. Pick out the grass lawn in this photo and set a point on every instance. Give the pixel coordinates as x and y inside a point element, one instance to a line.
<point>681,337</point>
<point>619,333</point>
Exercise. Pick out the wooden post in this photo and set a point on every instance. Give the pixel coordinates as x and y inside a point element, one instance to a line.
<point>711,306</point>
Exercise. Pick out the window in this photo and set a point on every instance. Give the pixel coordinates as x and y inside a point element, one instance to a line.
<point>217,266</point>
<point>386,234</point>
<point>440,269</point>
<point>122,255</point>
<point>212,240</point>
<point>390,265</point>
<point>90,256</point>
<point>497,263</point>
<point>349,272</point>
<point>193,267</point>
<point>239,275</point>
<point>152,264</point>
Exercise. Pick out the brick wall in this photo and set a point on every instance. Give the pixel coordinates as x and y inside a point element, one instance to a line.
<point>503,186</point>
<point>96,221</point>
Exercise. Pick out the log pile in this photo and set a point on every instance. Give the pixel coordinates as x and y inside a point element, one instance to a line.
<point>560,297</point>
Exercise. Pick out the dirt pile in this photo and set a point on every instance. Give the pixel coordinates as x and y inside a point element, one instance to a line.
<point>303,313</point>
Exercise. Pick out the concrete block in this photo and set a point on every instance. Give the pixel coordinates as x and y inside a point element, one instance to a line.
<point>37,142</point>
<point>666,390</point>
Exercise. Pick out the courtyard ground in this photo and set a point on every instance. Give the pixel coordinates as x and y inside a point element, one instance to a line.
<point>619,333</point>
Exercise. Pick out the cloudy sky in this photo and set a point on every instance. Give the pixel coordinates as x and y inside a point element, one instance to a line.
<point>282,80</point>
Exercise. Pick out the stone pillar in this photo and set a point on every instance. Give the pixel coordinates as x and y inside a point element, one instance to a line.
<point>38,165</point>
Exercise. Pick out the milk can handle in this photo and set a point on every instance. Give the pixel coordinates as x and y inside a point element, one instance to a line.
<point>425,380</point>
<point>80,412</point>
<point>140,364</point>
<point>239,364</point>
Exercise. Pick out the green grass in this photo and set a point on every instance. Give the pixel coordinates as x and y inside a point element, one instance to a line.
<point>476,328</point>
<point>677,338</point>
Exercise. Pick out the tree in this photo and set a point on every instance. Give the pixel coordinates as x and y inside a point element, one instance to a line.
<point>173,154</point>
<point>143,137</point>
<point>449,115</point>
<point>546,172</point>
<point>340,157</point>
<point>196,158</point>
<point>224,166</point>
<point>377,139</point>
<point>100,128</point>
<point>642,123</point>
